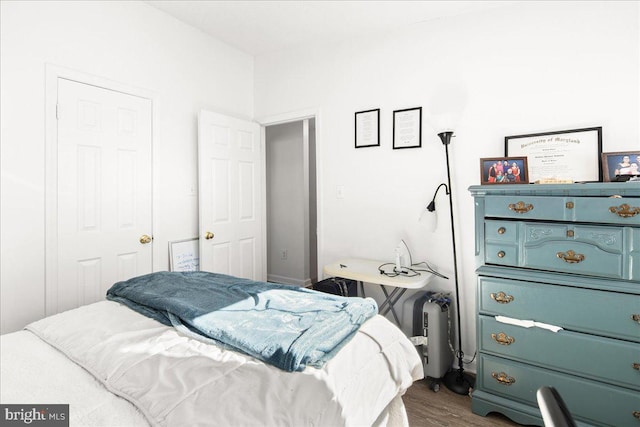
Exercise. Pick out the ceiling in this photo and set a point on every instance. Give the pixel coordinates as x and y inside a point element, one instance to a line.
<point>258,27</point>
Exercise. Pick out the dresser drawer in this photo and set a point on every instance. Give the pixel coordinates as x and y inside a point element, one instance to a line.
<point>577,309</point>
<point>603,251</point>
<point>597,358</point>
<point>583,209</point>
<point>587,401</point>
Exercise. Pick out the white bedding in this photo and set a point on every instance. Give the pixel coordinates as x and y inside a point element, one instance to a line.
<point>169,379</point>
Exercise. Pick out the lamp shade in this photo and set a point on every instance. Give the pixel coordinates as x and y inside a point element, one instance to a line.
<point>446,103</point>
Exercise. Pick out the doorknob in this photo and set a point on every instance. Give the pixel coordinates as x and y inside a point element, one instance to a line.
<point>144,239</point>
<point>208,235</point>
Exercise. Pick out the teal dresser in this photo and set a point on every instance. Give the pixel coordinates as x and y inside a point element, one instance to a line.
<point>564,256</point>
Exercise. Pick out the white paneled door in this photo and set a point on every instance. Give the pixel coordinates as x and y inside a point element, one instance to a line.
<point>104,194</point>
<point>230,180</point>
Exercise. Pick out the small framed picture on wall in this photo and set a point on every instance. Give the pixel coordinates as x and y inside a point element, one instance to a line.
<point>368,128</point>
<point>407,128</point>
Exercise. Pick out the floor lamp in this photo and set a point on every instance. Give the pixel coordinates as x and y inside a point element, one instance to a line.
<point>456,380</point>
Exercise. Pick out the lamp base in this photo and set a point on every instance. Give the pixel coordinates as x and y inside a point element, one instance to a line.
<point>458,382</point>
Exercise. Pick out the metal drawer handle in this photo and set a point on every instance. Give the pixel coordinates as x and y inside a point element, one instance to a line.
<point>636,414</point>
<point>636,366</point>
<point>625,211</point>
<point>501,230</point>
<point>520,207</point>
<point>571,257</point>
<point>503,339</point>
<point>635,317</point>
<point>502,298</point>
<point>501,254</point>
<point>503,378</point>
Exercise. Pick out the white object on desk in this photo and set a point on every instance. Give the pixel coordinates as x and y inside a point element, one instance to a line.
<point>366,270</point>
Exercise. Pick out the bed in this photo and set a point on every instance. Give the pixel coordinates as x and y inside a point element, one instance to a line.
<point>114,366</point>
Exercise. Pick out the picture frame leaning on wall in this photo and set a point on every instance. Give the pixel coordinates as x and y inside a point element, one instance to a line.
<point>562,155</point>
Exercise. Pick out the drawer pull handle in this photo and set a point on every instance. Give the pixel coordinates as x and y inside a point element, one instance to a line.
<point>636,414</point>
<point>636,317</point>
<point>503,298</point>
<point>503,339</point>
<point>520,207</point>
<point>501,230</point>
<point>501,254</point>
<point>503,378</point>
<point>571,257</point>
<point>569,205</point>
<point>636,366</point>
<point>625,211</point>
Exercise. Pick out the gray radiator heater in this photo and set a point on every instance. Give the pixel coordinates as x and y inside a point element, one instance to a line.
<point>426,314</point>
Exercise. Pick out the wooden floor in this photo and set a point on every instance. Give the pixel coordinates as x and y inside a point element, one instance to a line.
<point>426,408</point>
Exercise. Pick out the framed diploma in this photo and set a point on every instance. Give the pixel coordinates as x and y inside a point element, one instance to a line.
<point>563,155</point>
<point>407,128</point>
<point>368,128</point>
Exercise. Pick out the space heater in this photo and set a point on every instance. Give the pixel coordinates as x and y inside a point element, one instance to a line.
<point>426,320</point>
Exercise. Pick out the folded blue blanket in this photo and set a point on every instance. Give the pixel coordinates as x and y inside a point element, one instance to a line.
<point>286,326</point>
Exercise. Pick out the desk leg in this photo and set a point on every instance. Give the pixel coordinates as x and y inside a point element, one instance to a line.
<point>390,300</point>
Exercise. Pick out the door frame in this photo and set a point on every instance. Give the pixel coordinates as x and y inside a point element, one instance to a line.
<point>52,74</point>
<point>295,116</point>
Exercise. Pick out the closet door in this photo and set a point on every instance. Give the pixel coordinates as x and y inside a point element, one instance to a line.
<point>230,191</point>
<point>103,218</point>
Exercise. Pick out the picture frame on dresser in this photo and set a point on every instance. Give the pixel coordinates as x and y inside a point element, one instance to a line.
<point>561,155</point>
<point>620,165</point>
<point>504,170</point>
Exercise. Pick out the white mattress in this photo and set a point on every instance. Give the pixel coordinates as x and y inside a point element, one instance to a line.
<point>168,379</point>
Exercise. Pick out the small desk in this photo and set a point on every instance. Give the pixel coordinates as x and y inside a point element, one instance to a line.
<point>366,270</point>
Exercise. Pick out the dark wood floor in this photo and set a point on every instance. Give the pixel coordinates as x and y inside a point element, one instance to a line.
<point>445,408</point>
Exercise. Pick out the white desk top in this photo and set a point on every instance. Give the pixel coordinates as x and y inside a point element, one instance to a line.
<point>366,270</point>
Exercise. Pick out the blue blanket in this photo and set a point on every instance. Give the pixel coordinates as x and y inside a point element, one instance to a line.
<point>286,326</point>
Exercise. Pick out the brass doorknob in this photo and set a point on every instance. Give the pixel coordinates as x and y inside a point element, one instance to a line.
<point>144,239</point>
<point>208,235</point>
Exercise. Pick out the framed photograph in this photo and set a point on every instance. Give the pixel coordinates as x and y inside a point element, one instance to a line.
<point>621,165</point>
<point>407,128</point>
<point>368,128</point>
<point>184,255</point>
<point>504,170</point>
<point>563,155</point>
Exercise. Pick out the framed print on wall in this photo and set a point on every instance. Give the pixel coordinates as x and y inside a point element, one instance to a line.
<point>504,170</point>
<point>563,155</point>
<point>621,165</point>
<point>368,128</point>
<point>407,128</point>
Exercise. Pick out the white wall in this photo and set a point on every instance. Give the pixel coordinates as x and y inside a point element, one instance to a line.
<point>527,67</point>
<point>127,42</point>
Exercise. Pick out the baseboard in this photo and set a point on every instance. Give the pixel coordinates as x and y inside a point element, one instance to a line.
<point>289,280</point>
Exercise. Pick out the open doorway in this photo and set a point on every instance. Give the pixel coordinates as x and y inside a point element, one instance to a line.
<point>292,255</point>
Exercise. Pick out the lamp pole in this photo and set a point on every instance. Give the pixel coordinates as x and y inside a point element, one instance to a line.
<point>457,381</point>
